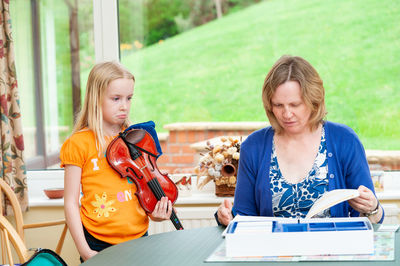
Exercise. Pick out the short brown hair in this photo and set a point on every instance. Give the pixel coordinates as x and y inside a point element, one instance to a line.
<point>295,68</point>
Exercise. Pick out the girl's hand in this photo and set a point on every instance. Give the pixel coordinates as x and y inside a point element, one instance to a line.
<point>162,211</point>
<point>225,212</point>
<point>366,203</point>
<point>87,255</point>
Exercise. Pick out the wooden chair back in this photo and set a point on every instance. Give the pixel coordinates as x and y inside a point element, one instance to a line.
<point>10,238</point>
<point>9,194</point>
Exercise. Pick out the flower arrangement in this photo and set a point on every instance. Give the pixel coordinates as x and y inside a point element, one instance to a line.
<point>220,164</point>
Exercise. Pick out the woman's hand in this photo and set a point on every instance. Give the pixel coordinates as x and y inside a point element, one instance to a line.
<point>225,212</point>
<point>366,203</point>
<point>162,210</point>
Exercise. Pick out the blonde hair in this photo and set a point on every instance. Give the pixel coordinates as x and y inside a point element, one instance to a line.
<point>91,114</point>
<point>295,68</point>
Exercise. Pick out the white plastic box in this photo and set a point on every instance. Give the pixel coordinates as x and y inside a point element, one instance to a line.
<point>289,237</point>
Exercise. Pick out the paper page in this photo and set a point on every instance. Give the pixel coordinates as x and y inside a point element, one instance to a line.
<point>331,198</point>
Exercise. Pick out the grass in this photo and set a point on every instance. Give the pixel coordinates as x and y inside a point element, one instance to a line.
<point>215,72</point>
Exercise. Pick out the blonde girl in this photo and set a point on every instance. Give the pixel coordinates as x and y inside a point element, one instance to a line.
<point>107,212</point>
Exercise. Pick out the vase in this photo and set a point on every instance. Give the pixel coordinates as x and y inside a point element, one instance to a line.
<point>224,191</point>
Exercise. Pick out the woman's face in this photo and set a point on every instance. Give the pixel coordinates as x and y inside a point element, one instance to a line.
<point>289,108</point>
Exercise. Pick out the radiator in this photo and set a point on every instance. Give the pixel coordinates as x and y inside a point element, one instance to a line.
<point>190,217</point>
<point>392,212</point>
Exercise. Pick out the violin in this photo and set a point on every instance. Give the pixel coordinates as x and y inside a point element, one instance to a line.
<point>133,155</point>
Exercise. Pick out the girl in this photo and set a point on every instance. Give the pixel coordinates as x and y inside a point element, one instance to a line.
<point>109,211</point>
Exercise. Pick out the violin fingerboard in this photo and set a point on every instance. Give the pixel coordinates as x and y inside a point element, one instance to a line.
<point>156,188</point>
<point>176,221</point>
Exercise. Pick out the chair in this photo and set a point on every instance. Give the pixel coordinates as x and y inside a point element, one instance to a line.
<point>9,234</point>
<point>16,235</point>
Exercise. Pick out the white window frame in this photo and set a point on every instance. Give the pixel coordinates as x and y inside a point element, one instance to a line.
<point>106,33</point>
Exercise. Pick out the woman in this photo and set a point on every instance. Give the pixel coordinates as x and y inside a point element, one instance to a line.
<point>285,168</point>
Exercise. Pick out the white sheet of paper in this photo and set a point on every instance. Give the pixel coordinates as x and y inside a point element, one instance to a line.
<point>331,198</point>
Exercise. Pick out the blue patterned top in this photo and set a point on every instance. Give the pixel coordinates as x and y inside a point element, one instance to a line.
<point>295,200</point>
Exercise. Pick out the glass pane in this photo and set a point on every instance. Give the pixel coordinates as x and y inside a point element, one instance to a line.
<point>160,44</point>
<point>22,35</point>
<point>86,41</point>
<point>56,75</point>
<point>190,66</point>
<point>64,58</point>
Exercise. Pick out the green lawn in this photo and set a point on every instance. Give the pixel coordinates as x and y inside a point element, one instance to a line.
<point>215,72</point>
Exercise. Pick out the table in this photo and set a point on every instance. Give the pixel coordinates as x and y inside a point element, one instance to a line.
<point>192,247</point>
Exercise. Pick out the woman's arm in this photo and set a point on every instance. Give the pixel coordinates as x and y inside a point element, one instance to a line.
<point>72,180</point>
<point>358,177</point>
<point>245,199</point>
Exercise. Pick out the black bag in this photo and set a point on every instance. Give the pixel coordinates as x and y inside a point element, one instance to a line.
<point>45,257</point>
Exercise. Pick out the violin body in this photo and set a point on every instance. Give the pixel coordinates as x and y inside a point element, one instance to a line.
<point>133,155</point>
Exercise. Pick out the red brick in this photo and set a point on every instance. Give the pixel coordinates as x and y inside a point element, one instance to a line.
<point>181,137</point>
<point>187,149</point>
<point>175,148</point>
<point>167,169</point>
<point>220,133</point>
<point>183,170</point>
<point>183,159</point>
<point>201,135</point>
<point>163,159</point>
<point>210,134</point>
<point>172,136</point>
<point>191,136</point>
<point>164,147</point>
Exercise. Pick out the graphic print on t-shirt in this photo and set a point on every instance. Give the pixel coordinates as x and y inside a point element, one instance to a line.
<point>102,207</point>
<point>95,166</point>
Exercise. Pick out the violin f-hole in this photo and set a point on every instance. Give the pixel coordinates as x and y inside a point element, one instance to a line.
<point>129,169</point>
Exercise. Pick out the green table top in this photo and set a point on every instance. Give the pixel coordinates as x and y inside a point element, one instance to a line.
<point>192,247</point>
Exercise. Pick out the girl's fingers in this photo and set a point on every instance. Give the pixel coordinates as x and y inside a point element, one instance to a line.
<point>163,209</point>
<point>169,209</point>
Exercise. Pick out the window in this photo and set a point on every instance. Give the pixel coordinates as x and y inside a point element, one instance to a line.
<point>54,51</point>
<point>163,43</point>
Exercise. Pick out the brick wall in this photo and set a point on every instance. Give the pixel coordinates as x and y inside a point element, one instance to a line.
<point>384,160</point>
<point>179,157</point>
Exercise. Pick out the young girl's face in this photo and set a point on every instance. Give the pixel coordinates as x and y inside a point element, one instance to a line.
<point>116,104</point>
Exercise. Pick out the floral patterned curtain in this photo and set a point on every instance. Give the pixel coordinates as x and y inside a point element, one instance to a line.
<point>12,164</point>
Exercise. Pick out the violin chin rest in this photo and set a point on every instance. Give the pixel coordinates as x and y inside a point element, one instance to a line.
<point>135,135</point>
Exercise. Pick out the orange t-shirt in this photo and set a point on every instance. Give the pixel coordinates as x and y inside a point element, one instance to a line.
<point>110,210</point>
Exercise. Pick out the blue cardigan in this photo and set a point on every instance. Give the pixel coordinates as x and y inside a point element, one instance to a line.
<point>347,166</point>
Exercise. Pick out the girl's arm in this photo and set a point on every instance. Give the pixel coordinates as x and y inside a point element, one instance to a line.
<point>72,180</point>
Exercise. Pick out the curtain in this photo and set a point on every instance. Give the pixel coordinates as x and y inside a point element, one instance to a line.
<point>12,165</point>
